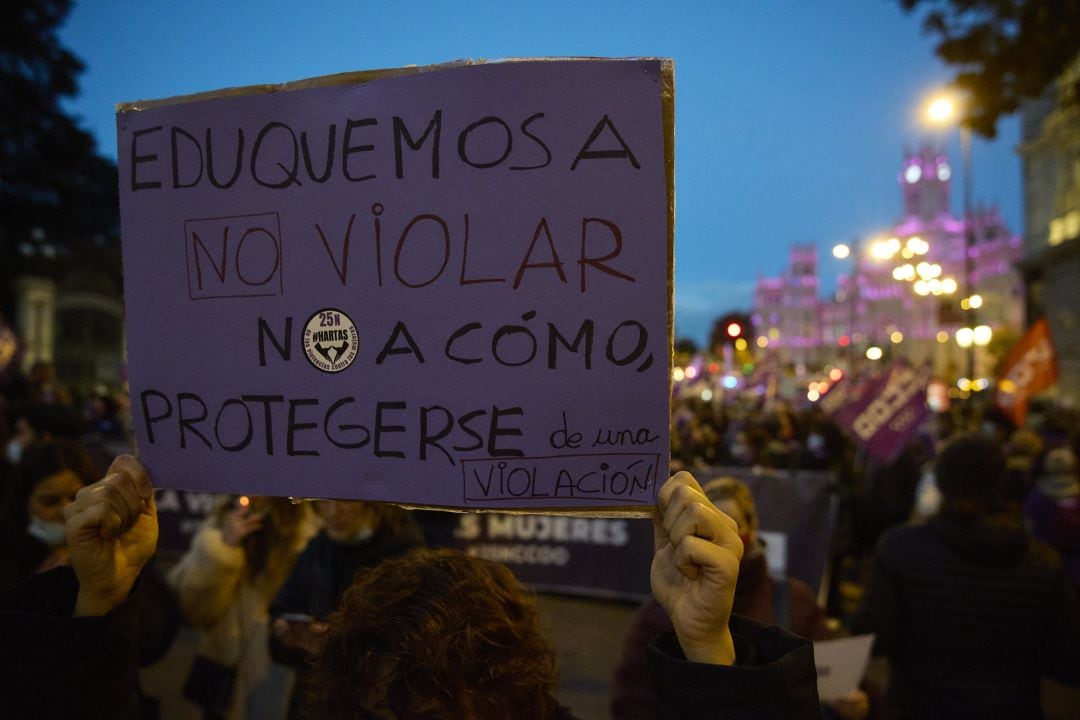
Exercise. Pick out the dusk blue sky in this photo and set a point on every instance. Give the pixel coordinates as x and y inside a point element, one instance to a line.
<point>791,115</point>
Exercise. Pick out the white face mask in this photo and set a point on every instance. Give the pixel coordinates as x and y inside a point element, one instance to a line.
<point>362,535</point>
<point>49,532</point>
<point>14,452</point>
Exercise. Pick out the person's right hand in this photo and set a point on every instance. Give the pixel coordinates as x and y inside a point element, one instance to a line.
<point>239,523</point>
<point>695,568</point>
<point>112,532</point>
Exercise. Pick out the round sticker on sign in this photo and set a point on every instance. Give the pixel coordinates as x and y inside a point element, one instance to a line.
<point>330,340</point>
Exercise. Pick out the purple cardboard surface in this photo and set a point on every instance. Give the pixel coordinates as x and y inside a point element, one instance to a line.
<point>449,288</point>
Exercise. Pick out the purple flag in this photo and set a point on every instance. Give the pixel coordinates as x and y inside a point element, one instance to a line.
<point>887,418</point>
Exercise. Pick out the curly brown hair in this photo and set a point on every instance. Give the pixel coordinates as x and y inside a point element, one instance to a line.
<point>434,635</point>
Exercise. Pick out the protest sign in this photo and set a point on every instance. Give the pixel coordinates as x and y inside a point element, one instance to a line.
<point>444,286</point>
<point>1030,368</point>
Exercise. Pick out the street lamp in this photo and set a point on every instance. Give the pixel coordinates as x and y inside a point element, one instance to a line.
<point>842,251</point>
<point>944,110</point>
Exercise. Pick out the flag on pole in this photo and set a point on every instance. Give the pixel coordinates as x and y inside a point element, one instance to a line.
<point>1030,368</point>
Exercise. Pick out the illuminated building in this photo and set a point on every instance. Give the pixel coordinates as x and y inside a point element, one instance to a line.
<point>1050,153</point>
<point>905,285</point>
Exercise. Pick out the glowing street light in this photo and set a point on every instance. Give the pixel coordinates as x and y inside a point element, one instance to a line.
<point>917,245</point>
<point>942,109</point>
<point>874,353</point>
<point>981,335</point>
<point>841,251</point>
<point>965,337</point>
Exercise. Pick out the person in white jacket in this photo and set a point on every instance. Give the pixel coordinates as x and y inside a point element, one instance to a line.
<point>225,582</point>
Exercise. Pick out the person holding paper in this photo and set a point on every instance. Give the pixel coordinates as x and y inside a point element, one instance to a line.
<point>970,611</point>
<point>68,647</point>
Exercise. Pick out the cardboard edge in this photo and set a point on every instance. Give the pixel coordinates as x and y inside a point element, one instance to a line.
<point>667,73</point>
<point>355,77</point>
<point>611,511</point>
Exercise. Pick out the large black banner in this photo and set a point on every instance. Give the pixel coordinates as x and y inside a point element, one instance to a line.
<point>610,557</point>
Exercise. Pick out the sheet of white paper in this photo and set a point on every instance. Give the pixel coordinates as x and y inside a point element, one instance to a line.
<point>841,664</point>
<point>775,551</point>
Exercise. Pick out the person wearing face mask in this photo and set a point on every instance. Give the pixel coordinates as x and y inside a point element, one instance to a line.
<point>46,479</point>
<point>773,600</point>
<point>356,535</point>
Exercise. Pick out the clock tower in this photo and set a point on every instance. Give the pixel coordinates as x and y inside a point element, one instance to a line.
<point>925,178</point>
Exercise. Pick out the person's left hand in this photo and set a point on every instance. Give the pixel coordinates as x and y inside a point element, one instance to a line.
<point>112,532</point>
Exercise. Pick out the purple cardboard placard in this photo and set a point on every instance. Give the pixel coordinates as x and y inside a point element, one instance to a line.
<point>398,288</point>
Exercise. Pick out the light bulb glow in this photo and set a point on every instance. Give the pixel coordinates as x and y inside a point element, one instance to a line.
<point>874,353</point>
<point>841,251</point>
<point>941,110</point>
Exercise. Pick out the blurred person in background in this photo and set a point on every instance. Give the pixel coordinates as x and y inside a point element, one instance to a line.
<point>356,535</point>
<point>1053,510</point>
<point>45,481</point>
<point>785,602</point>
<point>969,610</point>
<point>237,563</point>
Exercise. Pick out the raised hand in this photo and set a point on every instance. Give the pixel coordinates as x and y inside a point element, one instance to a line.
<point>239,523</point>
<point>112,532</point>
<point>695,568</point>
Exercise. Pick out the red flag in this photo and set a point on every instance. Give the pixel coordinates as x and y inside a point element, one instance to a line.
<point>1030,368</point>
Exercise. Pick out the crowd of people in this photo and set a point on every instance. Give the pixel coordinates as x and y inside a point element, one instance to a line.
<point>962,556</point>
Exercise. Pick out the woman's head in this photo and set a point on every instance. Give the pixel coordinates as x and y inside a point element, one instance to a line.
<point>48,476</point>
<point>435,635</point>
<point>734,499</point>
<point>352,521</point>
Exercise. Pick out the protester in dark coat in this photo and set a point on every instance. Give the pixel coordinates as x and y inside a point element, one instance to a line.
<point>759,596</point>
<point>969,610</point>
<point>73,655</point>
